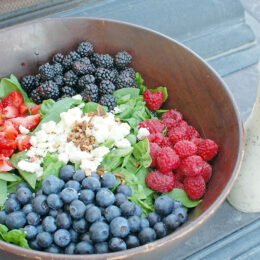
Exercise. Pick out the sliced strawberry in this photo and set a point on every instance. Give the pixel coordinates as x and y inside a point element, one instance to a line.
<point>15,98</point>
<point>9,130</point>
<point>28,122</point>
<point>10,112</point>
<point>7,152</point>
<point>23,142</point>
<point>36,109</point>
<point>5,166</point>
<point>1,114</point>
<point>23,108</point>
<point>7,144</point>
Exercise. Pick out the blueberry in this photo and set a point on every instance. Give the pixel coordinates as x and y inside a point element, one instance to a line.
<point>99,231</point>
<point>125,190</point>
<point>33,218</point>
<point>66,208</point>
<point>132,241</point>
<point>80,226</point>
<point>127,208</point>
<point>117,244</point>
<point>31,232</point>
<point>181,213</point>
<point>3,216</point>
<point>22,185</point>
<point>27,208</point>
<point>95,175</point>
<point>11,205</point>
<point>119,227</point>
<point>79,175</point>
<point>93,214</point>
<point>24,195</point>
<point>38,192</point>
<point>40,229</point>
<point>153,218</point>
<point>11,196</point>
<point>62,237</point>
<point>91,183</point>
<point>51,185</point>
<point>89,205</point>
<point>105,197</point>
<point>62,184</point>
<point>171,222</point>
<point>86,196</point>
<point>68,195</point>
<point>108,180</point>
<point>120,199</point>
<point>138,210</point>
<point>53,212</point>
<point>63,220</point>
<point>77,209</point>
<point>101,248</point>
<point>48,224</point>
<point>163,205</point>
<point>112,212</point>
<point>74,185</point>
<point>144,223</point>
<point>73,235</point>
<point>134,224</point>
<point>160,230</point>
<point>44,239</point>
<point>67,172</point>
<point>15,220</point>
<point>70,249</point>
<point>40,205</point>
<point>83,248</point>
<point>54,201</point>
<point>53,249</point>
<point>147,235</point>
<point>177,204</point>
<point>34,245</point>
<point>86,237</point>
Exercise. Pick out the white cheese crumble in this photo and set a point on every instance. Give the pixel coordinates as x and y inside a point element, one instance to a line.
<point>78,97</point>
<point>23,130</point>
<point>142,133</point>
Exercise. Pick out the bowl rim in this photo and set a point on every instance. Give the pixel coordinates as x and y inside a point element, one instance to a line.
<point>191,227</point>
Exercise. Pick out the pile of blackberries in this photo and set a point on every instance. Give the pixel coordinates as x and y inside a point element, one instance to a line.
<point>94,76</point>
<point>75,214</point>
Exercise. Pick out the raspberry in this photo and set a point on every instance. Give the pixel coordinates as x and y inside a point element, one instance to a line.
<point>154,149</point>
<point>171,118</point>
<point>178,185</point>
<point>206,172</point>
<point>153,125</point>
<point>178,133</point>
<point>185,148</point>
<point>167,142</point>
<point>192,166</point>
<point>179,176</point>
<point>192,132</point>
<point>160,182</point>
<point>195,187</point>
<point>157,138</point>
<point>207,149</point>
<point>167,159</point>
<point>153,100</point>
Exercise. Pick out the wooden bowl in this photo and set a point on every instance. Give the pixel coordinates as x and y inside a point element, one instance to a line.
<point>194,88</point>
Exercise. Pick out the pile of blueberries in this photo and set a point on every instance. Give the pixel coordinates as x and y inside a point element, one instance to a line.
<point>75,214</point>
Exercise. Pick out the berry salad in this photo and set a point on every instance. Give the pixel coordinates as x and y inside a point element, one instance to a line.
<point>90,162</point>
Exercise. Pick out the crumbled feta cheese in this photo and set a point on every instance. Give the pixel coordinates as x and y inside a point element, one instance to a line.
<point>63,157</point>
<point>28,166</point>
<point>49,127</point>
<point>124,143</point>
<point>116,110</point>
<point>23,130</point>
<point>100,151</point>
<point>142,133</point>
<point>78,97</point>
<point>33,141</point>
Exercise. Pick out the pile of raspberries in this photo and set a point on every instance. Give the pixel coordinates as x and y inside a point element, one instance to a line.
<point>180,158</point>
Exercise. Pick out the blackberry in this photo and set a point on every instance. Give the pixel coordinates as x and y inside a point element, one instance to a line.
<point>129,71</point>
<point>58,80</point>
<point>36,97</point>
<point>57,58</point>
<point>28,83</point>
<point>58,69</point>
<point>109,101</point>
<point>85,80</point>
<point>124,81</point>
<point>46,71</point>
<point>85,49</point>
<point>68,91</point>
<point>122,59</point>
<point>102,73</point>
<point>38,80</point>
<point>83,66</point>
<point>70,78</point>
<point>90,93</point>
<point>69,59</point>
<point>103,60</point>
<point>106,87</point>
<point>49,89</point>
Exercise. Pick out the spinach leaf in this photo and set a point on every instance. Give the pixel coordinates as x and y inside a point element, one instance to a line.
<point>141,175</point>
<point>11,188</point>
<point>146,205</point>
<point>161,111</point>
<point>139,80</point>
<point>131,93</point>
<point>142,153</point>
<point>92,107</point>
<point>46,106</point>
<point>10,177</point>
<point>3,193</point>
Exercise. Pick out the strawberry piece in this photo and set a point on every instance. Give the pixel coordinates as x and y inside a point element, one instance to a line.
<point>15,98</point>
<point>5,165</point>
<point>195,187</point>
<point>207,149</point>
<point>154,149</point>
<point>35,109</point>
<point>28,122</point>
<point>7,144</point>
<point>167,160</point>
<point>10,111</point>
<point>23,108</point>
<point>192,165</point>
<point>23,142</point>
<point>1,114</point>
<point>153,125</point>
<point>185,148</point>
<point>9,130</point>
<point>153,100</point>
<point>7,152</point>
<point>161,182</point>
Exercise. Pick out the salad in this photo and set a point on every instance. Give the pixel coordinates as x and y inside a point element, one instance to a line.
<point>90,162</point>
